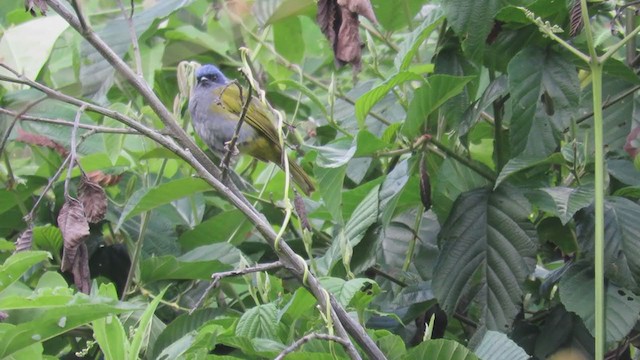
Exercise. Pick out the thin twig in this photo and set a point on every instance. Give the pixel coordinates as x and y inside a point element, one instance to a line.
<point>134,37</point>
<point>16,117</point>
<point>224,164</point>
<point>73,149</point>
<point>96,128</point>
<point>217,277</point>
<point>313,336</point>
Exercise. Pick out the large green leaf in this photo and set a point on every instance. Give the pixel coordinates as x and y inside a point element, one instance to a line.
<point>440,349</point>
<point>472,21</point>
<point>488,241</point>
<point>53,314</point>
<point>17,264</point>
<point>435,92</point>
<point>622,306</point>
<point>569,200</point>
<point>259,322</point>
<point>535,73</point>
<point>344,291</point>
<point>497,346</point>
<point>287,38</point>
<point>409,47</point>
<point>621,234</point>
<point>109,332</point>
<point>394,15</point>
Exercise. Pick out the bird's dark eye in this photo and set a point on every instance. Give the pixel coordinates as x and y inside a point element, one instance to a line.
<point>214,77</point>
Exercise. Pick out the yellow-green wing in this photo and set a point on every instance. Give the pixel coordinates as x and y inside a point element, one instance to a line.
<point>258,115</point>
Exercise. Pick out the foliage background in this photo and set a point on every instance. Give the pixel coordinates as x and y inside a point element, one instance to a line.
<point>490,216</point>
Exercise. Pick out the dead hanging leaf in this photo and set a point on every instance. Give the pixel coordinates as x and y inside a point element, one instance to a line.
<point>339,22</point>
<point>575,17</point>
<point>41,140</point>
<point>103,179</point>
<point>80,271</point>
<point>298,204</point>
<point>25,239</point>
<point>31,5</point>
<point>632,145</point>
<point>425,186</point>
<point>74,228</point>
<point>93,199</point>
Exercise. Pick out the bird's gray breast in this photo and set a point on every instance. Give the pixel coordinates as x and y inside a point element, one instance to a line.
<point>214,124</point>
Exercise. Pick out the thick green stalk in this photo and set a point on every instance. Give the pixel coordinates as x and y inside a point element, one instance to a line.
<point>596,73</point>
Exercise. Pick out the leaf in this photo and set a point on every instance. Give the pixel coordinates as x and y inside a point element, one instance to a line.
<point>487,237</point>
<point>287,39</point>
<point>472,21</point>
<point>368,144</point>
<point>344,291</point>
<point>335,154</point>
<point>569,200</point>
<point>621,234</point>
<point>330,183</point>
<point>409,47</point>
<point>288,8</point>
<point>395,15</point>
<point>304,90</point>
<point>259,322</point>
<point>170,268</point>
<point>622,306</point>
<point>230,226</point>
<point>497,346</point>
<point>74,228</point>
<point>534,72</point>
<point>150,198</point>
<point>524,162</point>
<point>109,332</point>
<point>25,239</point>
<point>428,98</point>
<point>391,190</point>
<point>57,314</point>
<point>371,97</point>
<point>26,47</point>
<point>495,90</point>
<point>93,198</point>
<point>440,349</point>
<point>17,264</point>
<point>31,5</point>
<point>142,331</point>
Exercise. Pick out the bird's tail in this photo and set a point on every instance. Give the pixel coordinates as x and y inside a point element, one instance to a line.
<point>300,177</point>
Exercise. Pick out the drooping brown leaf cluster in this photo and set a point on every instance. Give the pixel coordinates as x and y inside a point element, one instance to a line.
<point>103,179</point>
<point>94,200</point>
<point>32,5</point>
<point>575,16</point>
<point>25,239</point>
<point>73,221</point>
<point>338,20</point>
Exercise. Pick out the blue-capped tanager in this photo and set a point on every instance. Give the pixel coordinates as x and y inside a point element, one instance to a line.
<point>216,106</point>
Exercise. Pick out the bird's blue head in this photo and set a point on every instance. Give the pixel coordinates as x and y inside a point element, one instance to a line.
<point>209,75</point>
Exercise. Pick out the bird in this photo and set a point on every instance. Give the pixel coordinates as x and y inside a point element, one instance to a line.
<point>216,106</point>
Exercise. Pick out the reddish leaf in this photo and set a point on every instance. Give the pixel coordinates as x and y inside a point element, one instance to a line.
<point>74,228</point>
<point>348,47</point>
<point>40,140</point>
<point>24,240</point>
<point>93,198</point>
<point>632,146</point>
<point>103,179</point>
<point>31,5</point>
<point>576,19</point>
<point>80,271</point>
<point>360,7</point>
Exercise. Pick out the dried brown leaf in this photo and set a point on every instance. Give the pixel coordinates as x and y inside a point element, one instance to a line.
<point>360,7</point>
<point>93,198</point>
<point>575,17</point>
<point>632,145</point>
<point>103,179</point>
<point>40,140</point>
<point>25,239</point>
<point>326,18</point>
<point>31,5</point>
<point>298,204</point>
<point>348,48</point>
<point>425,186</point>
<point>80,271</point>
<point>74,228</point>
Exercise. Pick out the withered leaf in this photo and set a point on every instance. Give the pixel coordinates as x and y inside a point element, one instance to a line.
<point>298,204</point>
<point>80,271</point>
<point>93,198</point>
<point>74,228</point>
<point>103,179</point>
<point>425,186</point>
<point>575,16</point>
<point>40,140</point>
<point>31,5</point>
<point>339,22</point>
<point>632,145</point>
<point>25,239</point>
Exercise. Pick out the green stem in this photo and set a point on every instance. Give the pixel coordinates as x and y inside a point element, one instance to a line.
<point>487,174</point>
<point>414,238</point>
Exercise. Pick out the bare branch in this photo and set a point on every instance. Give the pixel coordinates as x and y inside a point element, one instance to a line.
<point>215,282</point>
<point>134,36</point>
<point>313,336</point>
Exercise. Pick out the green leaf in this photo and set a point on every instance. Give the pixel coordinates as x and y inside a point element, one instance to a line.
<point>335,154</point>
<point>440,349</point>
<point>496,89</point>
<point>151,198</point>
<point>472,21</point>
<point>345,291</point>
<point>621,234</point>
<point>622,306</point>
<point>487,237</point>
<point>289,8</point>
<point>26,48</point>
<point>545,93</point>
<point>17,264</point>
<point>169,267</point>
<point>524,162</point>
<point>287,38</point>
<point>217,229</point>
<point>53,314</point>
<point>429,97</point>
<point>259,322</point>
<point>109,332</point>
<point>391,190</point>
<point>409,47</point>
<point>497,346</point>
<point>569,200</point>
<point>395,15</point>
<point>368,144</point>
<point>144,327</point>
<point>371,97</point>
<point>330,183</point>
<point>304,90</point>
